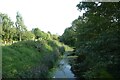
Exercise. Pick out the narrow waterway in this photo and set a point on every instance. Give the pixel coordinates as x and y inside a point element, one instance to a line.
<point>63,68</point>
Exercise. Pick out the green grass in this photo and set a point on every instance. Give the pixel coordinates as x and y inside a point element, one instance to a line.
<point>29,58</point>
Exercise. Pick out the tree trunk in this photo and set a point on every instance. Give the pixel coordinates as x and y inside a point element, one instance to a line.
<point>20,37</point>
<point>5,42</point>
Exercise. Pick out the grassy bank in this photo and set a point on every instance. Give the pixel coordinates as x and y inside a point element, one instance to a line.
<point>30,59</point>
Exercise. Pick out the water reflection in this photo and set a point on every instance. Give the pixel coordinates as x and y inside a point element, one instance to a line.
<point>64,69</point>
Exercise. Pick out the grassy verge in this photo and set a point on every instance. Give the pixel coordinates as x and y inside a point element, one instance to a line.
<point>30,59</point>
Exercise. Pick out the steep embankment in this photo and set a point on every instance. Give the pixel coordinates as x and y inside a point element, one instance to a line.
<point>30,59</point>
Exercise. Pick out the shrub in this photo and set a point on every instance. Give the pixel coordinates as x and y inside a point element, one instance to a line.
<point>61,50</point>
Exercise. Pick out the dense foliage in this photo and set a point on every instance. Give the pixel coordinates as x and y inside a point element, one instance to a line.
<point>27,54</point>
<point>30,59</point>
<point>68,36</point>
<point>97,40</point>
<point>95,37</point>
<point>17,31</point>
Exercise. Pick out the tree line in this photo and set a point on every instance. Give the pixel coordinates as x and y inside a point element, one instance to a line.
<point>17,31</point>
<point>96,39</point>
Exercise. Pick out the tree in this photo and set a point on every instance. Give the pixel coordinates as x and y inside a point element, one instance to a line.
<point>69,36</point>
<point>28,35</point>
<point>12,33</point>
<point>37,32</point>
<point>20,25</point>
<point>98,39</point>
<point>7,24</point>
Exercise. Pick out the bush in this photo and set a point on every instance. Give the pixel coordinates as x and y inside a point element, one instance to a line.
<point>30,59</point>
<point>62,50</point>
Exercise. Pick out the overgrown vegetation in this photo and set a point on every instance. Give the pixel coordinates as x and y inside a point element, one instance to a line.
<point>96,40</point>
<point>17,31</point>
<point>30,59</point>
<point>27,54</point>
<point>95,37</point>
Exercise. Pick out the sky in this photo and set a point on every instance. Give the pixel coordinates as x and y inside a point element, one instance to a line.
<point>47,15</point>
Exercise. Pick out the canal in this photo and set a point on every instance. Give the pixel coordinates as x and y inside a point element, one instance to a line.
<point>63,67</point>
